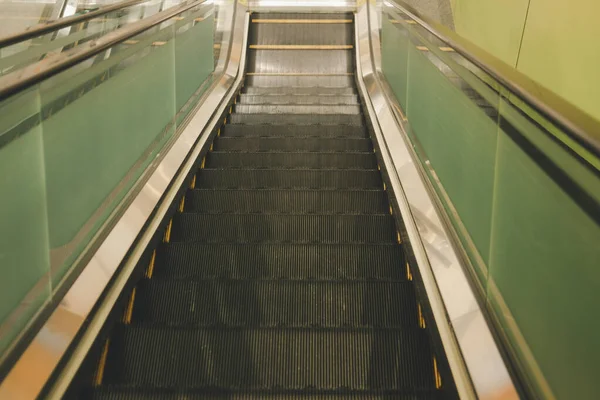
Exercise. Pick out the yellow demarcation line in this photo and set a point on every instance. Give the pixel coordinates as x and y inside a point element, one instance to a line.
<point>297,74</point>
<point>129,310</point>
<point>101,364</point>
<point>446,49</point>
<point>422,323</point>
<point>301,21</point>
<point>408,273</point>
<point>301,46</point>
<point>391,211</point>
<point>150,270</point>
<point>193,183</point>
<point>399,238</point>
<point>168,232</point>
<point>422,48</point>
<point>182,203</point>
<point>438,378</point>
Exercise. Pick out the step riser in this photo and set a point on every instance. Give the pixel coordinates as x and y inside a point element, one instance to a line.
<point>309,144</point>
<point>290,131</point>
<point>218,159</point>
<point>297,119</point>
<point>297,109</point>
<point>299,99</point>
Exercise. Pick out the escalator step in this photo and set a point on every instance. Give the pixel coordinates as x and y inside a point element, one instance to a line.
<point>341,65</point>
<point>307,34</point>
<point>343,109</point>
<point>281,261</point>
<point>297,99</point>
<point>118,392</point>
<point>313,91</point>
<point>276,303</point>
<point>283,228</point>
<point>292,144</point>
<point>289,160</point>
<point>270,358</point>
<point>286,201</point>
<point>297,119</point>
<point>320,131</point>
<point>289,179</point>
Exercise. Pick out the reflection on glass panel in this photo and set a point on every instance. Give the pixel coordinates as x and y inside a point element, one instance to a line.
<point>24,243</point>
<point>78,143</point>
<point>523,197</point>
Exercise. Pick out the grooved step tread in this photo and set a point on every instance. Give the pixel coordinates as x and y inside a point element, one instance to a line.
<point>194,260</point>
<point>289,179</point>
<point>276,303</point>
<point>289,160</point>
<point>122,392</point>
<point>286,201</point>
<point>320,131</point>
<point>283,228</point>
<point>292,144</point>
<point>294,90</point>
<point>298,99</point>
<point>297,119</point>
<point>343,109</point>
<point>265,358</point>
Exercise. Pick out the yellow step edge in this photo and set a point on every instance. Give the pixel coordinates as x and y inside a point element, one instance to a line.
<point>301,46</point>
<point>129,310</point>
<point>301,21</point>
<point>150,270</point>
<point>101,364</point>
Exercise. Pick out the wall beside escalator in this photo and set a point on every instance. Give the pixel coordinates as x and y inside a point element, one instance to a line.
<point>551,41</point>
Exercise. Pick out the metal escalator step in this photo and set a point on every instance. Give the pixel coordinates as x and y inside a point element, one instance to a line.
<point>287,201</point>
<point>123,392</point>
<point>310,143</point>
<point>270,358</point>
<point>297,119</point>
<point>320,131</point>
<point>289,179</point>
<point>307,91</point>
<point>307,81</point>
<point>276,303</point>
<point>300,15</point>
<point>298,99</point>
<point>289,160</point>
<point>280,261</point>
<point>296,109</point>
<point>306,33</point>
<point>283,228</point>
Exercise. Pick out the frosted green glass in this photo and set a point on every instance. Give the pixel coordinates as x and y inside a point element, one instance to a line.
<point>394,59</point>
<point>458,139</point>
<point>24,247</point>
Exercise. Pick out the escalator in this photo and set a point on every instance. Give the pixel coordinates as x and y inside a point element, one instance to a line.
<point>282,274</point>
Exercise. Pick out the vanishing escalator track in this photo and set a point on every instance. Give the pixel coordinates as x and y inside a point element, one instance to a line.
<point>281,275</point>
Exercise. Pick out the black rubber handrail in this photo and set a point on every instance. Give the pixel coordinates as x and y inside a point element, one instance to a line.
<point>31,75</point>
<point>575,123</point>
<point>51,26</point>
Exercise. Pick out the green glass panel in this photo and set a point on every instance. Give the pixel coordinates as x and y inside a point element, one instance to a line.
<point>193,56</point>
<point>394,57</point>
<point>457,137</point>
<point>24,248</point>
<point>544,262</point>
<point>98,143</point>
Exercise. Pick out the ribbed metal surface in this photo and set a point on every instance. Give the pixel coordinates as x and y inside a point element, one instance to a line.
<point>296,109</point>
<point>286,201</point>
<point>298,119</point>
<point>303,83</point>
<point>313,90</point>
<point>289,179</point>
<point>274,228</point>
<point>300,144</point>
<point>304,16</point>
<point>194,260</point>
<point>282,276</point>
<point>276,303</point>
<point>133,393</point>
<point>298,99</point>
<point>301,61</point>
<point>270,358</point>
<point>289,131</point>
<point>311,34</point>
<point>290,160</point>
